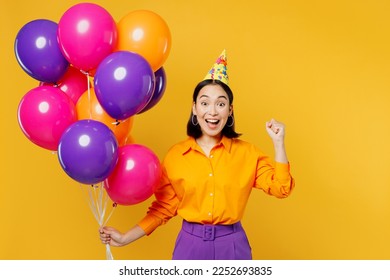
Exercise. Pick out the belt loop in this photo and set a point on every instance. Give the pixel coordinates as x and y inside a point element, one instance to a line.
<point>236,226</point>
<point>189,226</point>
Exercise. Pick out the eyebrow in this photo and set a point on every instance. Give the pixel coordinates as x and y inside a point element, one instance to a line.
<point>221,96</point>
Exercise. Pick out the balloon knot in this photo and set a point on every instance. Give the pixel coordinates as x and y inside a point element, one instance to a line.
<point>114,204</point>
<point>116,122</point>
<point>84,72</point>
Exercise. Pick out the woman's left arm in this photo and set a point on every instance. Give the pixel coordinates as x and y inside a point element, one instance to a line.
<point>276,130</point>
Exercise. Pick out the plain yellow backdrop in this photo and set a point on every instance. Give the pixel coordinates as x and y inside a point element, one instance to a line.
<point>321,67</point>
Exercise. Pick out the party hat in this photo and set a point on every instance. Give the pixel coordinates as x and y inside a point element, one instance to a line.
<point>219,69</point>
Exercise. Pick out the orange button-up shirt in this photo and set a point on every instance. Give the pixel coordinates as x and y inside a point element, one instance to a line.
<point>214,189</point>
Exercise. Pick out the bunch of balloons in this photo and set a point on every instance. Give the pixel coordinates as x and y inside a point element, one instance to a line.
<point>94,76</point>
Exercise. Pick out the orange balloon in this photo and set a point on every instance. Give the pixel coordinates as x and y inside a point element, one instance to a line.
<point>146,33</point>
<point>88,107</point>
<point>128,140</point>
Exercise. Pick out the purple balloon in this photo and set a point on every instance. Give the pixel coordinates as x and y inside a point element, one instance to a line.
<point>88,151</point>
<point>124,84</point>
<point>38,52</point>
<point>159,89</point>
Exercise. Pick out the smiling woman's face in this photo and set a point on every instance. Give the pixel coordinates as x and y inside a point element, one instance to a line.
<point>212,109</point>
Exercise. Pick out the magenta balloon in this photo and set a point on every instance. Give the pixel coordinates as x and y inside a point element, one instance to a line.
<point>88,151</point>
<point>73,83</point>
<point>124,84</point>
<point>159,89</point>
<point>87,33</point>
<point>44,113</point>
<point>135,176</point>
<point>38,52</point>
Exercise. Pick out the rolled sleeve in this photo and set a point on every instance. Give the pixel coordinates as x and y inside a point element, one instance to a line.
<point>149,223</point>
<point>282,172</point>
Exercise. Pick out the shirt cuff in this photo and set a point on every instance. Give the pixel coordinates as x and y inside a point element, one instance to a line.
<point>149,223</point>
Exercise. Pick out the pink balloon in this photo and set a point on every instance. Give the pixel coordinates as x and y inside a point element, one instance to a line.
<point>73,83</point>
<point>135,177</point>
<point>87,33</point>
<point>44,113</point>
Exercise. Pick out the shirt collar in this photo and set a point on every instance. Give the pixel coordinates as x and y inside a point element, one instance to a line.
<point>190,144</point>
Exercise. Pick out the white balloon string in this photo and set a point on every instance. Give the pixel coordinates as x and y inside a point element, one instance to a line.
<point>109,216</point>
<point>97,200</point>
<point>103,199</point>
<point>108,252</point>
<point>101,207</point>
<point>91,203</point>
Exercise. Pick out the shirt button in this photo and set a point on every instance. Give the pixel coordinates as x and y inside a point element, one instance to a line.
<point>209,213</point>
<point>211,194</point>
<point>211,156</point>
<point>211,174</point>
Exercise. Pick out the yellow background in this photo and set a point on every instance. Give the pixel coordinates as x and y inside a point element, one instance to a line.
<point>321,67</point>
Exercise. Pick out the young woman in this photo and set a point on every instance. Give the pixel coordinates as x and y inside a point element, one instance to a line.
<point>207,179</point>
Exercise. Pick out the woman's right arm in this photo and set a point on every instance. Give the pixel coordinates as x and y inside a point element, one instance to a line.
<point>110,235</point>
<point>161,210</point>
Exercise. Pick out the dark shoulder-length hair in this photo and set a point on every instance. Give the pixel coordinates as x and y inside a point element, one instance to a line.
<point>228,131</point>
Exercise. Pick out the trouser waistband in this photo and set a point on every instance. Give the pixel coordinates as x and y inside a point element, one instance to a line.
<point>210,232</point>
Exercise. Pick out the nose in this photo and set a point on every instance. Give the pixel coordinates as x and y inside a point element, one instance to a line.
<point>213,111</point>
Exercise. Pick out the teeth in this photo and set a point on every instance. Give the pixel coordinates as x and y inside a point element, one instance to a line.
<point>212,121</point>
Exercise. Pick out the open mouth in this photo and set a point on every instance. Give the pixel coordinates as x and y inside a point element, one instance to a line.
<point>214,122</point>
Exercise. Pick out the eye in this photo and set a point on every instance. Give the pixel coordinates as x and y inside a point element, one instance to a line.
<point>221,104</point>
<point>203,103</point>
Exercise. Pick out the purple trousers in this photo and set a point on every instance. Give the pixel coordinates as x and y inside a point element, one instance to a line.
<point>212,242</point>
